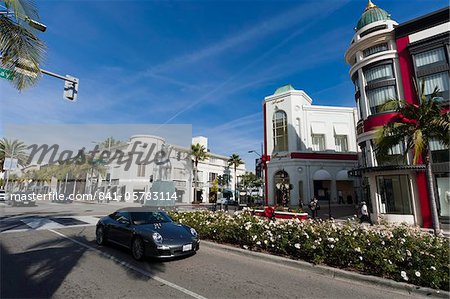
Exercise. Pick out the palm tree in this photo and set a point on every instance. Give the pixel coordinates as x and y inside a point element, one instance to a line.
<point>13,149</point>
<point>235,161</point>
<point>416,125</point>
<point>19,44</point>
<point>198,153</point>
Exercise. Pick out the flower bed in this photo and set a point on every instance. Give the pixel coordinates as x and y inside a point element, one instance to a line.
<point>397,252</point>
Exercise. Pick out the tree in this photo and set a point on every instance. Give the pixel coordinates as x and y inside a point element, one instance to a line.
<point>249,181</point>
<point>13,149</point>
<point>235,161</point>
<point>198,153</point>
<point>19,44</point>
<point>213,190</point>
<point>108,143</point>
<point>415,126</point>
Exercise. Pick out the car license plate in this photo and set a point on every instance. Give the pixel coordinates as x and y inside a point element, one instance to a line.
<point>187,247</point>
<point>25,202</point>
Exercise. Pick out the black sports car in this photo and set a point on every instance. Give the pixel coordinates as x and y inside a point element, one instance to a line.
<point>147,232</point>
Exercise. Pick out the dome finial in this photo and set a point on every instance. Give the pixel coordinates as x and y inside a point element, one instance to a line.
<point>370,5</point>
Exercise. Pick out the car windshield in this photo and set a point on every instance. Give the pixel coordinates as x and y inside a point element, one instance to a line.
<point>139,218</point>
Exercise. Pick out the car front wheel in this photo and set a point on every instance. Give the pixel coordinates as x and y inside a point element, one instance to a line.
<point>137,248</point>
<point>100,235</point>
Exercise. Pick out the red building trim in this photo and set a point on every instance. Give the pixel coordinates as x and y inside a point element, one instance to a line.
<point>425,209</point>
<point>266,181</point>
<point>324,156</point>
<point>410,96</point>
<point>406,70</point>
<point>374,121</point>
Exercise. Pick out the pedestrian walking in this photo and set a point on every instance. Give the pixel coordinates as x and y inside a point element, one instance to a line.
<point>314,207</point>
<point>365,216</point>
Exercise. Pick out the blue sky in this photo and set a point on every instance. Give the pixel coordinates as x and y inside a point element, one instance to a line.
<point>205,63</point>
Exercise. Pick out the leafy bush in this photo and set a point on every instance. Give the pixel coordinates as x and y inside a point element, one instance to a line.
<point>397,252</point>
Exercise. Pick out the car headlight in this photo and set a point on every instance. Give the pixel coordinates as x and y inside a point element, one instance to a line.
<point>157,238</point>
<point>194,232</point>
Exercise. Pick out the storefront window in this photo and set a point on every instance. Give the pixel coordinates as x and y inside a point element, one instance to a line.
<point>443,192</point>
<point>394,194</point>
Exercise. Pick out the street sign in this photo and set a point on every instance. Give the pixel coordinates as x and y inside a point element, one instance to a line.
<point>6,74</point>
<point>10,164</point>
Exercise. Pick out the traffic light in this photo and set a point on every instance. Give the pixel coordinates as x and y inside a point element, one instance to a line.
<point>71,88</point>
<point>258,168</point>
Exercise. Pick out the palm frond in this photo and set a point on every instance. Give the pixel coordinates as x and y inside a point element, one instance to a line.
<point>419,145</point>
<point>23,9</point>
<point>20,47</point>
<point>390,105</point>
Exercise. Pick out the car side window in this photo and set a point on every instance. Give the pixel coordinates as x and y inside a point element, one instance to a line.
<point>122,217</point>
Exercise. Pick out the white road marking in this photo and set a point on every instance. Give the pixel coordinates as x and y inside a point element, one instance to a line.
<point>41,223</point>
<point>129,266</point>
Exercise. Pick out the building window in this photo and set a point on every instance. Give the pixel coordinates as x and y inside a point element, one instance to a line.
<point>379,72</point>
<point>318,142</point>
<point>395,156</point>
<point>141,170</point>
<point>299,134</point>
<point>341,143</point>
<point>379,96</point>
<point>431,70</point>
<point>212,176</point>
<point>443,192</point>
<point>375,49</point>
<point>430,57</point>
<point>438,80</point>
<point>364,154</point>
<point>355,80</point>
<point>439,152</point>
<point>394,194</point>
<point>280,133</point>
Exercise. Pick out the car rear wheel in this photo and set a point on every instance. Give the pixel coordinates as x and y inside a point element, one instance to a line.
<point>137,248</point>
<point>100,237</point>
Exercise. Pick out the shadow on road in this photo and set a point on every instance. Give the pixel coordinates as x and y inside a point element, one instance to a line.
<point>40,270</point>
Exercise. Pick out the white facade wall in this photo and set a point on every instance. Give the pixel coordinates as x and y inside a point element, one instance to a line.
<point>304,119</point>
<point>179,169</point>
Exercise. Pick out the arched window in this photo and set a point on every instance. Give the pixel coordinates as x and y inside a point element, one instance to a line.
<point>280,137</point>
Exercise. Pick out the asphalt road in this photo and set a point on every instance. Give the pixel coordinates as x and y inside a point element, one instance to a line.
<point>66,262</point>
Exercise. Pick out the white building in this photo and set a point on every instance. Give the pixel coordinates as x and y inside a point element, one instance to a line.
<point>310,148</point>
<point>137,178</point>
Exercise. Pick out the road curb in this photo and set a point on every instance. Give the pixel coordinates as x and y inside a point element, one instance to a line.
<point>335,273</point>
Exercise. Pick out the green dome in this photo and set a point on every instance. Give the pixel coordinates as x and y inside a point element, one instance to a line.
<point>284,88</point>
<point>372,14</point>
